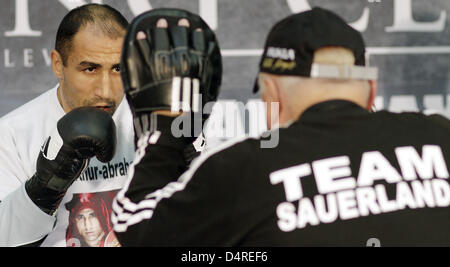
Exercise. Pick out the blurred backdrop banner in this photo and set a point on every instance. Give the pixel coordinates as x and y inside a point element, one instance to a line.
<point>409,40</point>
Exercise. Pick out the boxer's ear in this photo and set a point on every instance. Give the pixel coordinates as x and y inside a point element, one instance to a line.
<point>57,63</point>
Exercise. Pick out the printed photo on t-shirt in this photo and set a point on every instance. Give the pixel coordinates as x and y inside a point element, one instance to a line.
<point>89,220</point>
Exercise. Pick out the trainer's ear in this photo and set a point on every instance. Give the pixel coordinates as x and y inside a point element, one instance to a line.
<point>270,93</point>
<point>373,86</point>
<point>57,64</point>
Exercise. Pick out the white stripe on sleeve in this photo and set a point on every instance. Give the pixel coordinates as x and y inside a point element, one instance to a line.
<point>127,213</point>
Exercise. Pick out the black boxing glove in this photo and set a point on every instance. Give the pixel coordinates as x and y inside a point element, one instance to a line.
<point>81,134</point>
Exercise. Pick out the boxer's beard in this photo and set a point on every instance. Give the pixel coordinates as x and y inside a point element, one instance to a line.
<point>106,104</point>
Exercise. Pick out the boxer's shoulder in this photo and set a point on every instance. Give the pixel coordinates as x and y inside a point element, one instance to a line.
<point>43,107</point>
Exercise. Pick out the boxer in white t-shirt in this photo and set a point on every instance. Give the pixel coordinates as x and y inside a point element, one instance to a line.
<point>86,62</point>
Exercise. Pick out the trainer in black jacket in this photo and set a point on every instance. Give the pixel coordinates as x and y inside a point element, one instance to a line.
<point>340,174</point>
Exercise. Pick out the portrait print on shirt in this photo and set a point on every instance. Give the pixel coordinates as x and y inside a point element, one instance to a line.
<point>89,220</point>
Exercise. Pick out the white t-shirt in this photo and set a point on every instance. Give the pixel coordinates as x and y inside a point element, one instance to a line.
<point>83,215</point>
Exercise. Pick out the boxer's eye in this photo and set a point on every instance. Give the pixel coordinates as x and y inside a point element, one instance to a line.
<point>89,70</point>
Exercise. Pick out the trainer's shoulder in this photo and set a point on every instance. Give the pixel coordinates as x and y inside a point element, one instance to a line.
<point>414,119</point>
<point>230,152</point>
<point>237,147</point>
<point>439,121</point>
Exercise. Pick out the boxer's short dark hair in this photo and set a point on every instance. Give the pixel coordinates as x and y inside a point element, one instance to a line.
<point>110,21</point>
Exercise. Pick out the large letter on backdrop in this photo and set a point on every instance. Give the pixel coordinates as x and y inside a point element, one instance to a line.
<point>404,21</point>
<point>361,24</point>
<point>22,22</point>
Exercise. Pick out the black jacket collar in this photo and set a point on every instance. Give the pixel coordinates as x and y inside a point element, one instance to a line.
<point>331,109</point>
